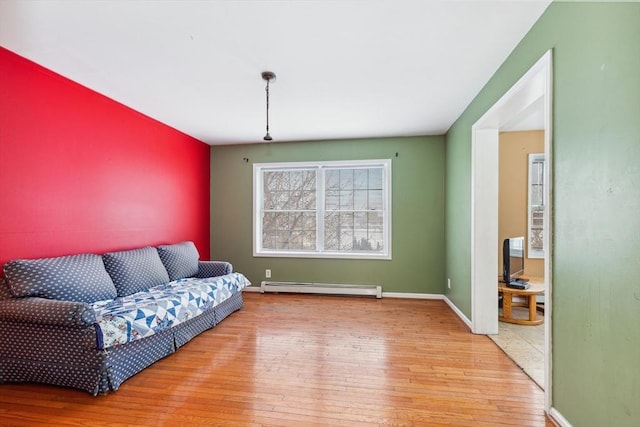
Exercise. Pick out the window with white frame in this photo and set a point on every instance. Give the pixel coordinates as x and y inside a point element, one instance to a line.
<point>535,226</point>
<point>339,209</point>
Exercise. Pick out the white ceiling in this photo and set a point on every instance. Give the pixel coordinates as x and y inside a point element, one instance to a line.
<point>345,69</point>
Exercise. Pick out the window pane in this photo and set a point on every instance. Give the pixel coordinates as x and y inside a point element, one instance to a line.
<point>309,240</point>
<point>286,190</point>
<point>302,200</point>
<point>274,199</point>
<point>375,200</point>
<point>285,178</point>
<point>376,221</point>
<point>536,239</point>
<point>346,200</point>
<point>268,199</point>
<point>346,240</point>
<point>361,189</point>
<point>309,180</point>
<point>281,199</point>
<point>360,221</point>
<point>375,231</point>
<point>377,242</point>
<point>332,179</point>
<point>288,230</point>
<point>272,181</point>
<point>536,195</point>
<point>339,231</point>
<point>537,217</point>
<point>295,180</point>
<point>331,231</point>
<point>537,172</point>
<point>295,221</point>
<point>269,239</point>
<point>332,200</point>
<point>346,231</point>
<point>536,205</point>
<point>361,179</point>
<point>295,240</point>
<point>360,200</point>
<point>282,220</point>
<point>269,221</point>
<point>375,178</point>
<point>282,239</point>
<point>354,232</point>
<point>308,200</point>
<point>361,232</point>
<point>346,179</point>
<point>309,221</point>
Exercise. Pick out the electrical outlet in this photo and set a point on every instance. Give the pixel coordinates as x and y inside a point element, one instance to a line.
<point>267,273</point>
<point>448,283</point>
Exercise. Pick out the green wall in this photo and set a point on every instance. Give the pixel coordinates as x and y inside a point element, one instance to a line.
<point>596,204</point>
<point>417,213</point>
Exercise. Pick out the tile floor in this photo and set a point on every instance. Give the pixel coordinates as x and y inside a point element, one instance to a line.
<point>523,344</point>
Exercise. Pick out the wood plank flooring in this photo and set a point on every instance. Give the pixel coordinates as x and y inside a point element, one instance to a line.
<point>309,360</point>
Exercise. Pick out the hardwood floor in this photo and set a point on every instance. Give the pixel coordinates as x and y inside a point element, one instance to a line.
<point>309,360</point>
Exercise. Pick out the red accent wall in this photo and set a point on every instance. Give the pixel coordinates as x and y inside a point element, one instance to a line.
<point>80,172</point>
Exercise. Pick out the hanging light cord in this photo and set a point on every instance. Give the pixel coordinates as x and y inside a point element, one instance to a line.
<point>267,137</point>
<point>268,76</point>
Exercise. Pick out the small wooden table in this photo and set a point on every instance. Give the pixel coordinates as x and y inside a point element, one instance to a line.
<point>536,287</point>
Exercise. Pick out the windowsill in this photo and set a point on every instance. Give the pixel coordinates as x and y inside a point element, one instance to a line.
<point>326,255</point>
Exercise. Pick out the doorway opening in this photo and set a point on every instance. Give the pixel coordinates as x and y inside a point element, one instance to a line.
<point>532,91</point>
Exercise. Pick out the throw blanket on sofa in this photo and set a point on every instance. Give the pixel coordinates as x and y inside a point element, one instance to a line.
<point>142,314</point>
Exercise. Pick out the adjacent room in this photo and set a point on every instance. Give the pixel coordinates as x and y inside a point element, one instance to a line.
<point>521,212</point>
<point>319,213</point>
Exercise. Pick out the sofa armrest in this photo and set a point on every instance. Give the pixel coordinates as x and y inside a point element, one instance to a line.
<point>213,268</point>
<point>47,312</point>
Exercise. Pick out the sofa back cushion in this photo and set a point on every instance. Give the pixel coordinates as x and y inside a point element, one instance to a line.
<point>5,292</point>
<point>180,259</point>
<point>135,270</point>
<point>81,278</point>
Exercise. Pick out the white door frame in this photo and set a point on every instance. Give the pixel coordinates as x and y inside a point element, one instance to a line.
<point>534,85</point>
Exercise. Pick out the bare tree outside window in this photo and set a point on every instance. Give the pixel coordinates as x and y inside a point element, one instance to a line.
<point>289,220</point>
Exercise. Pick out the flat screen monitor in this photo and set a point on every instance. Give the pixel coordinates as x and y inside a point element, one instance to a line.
<point>513,258</point>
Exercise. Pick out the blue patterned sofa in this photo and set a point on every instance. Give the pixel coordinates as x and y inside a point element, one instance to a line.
<point>90,322</point>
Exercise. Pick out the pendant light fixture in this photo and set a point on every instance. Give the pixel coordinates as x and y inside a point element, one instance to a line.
<point>268,76</point>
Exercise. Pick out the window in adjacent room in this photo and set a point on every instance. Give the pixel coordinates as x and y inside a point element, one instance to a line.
<point>323,209</point>
<point>536,206</point>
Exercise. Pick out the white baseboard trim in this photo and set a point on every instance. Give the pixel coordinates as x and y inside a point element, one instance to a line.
<point>384,294</point>
<point>457,311</point>
<point>411,295</point>
<point>558,418</point>
<point>322,288</point>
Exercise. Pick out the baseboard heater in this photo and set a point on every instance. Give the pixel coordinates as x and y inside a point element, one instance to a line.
<point>322,288</point>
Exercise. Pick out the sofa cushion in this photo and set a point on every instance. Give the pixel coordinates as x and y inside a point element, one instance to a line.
<point>214,268</point>
<point>5,292</point>
<point>135,270</point>
<point>180,260</point>
<point>79,278</point>
<point>141,315</point>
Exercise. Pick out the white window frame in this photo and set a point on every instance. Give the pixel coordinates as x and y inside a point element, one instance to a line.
<point>321,167</point>
<point>532,252</point>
